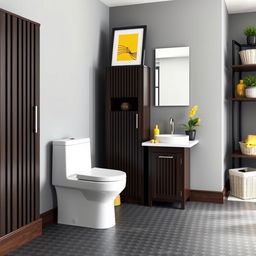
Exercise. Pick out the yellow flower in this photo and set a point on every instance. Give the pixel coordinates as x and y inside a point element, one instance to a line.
<point>199,120</point>
<point>192,112</point>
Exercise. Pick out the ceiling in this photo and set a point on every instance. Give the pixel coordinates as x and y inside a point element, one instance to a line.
<point>234,6</point>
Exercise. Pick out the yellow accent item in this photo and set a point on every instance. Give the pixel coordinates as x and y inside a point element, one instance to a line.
<point>192,112</point>
<point>240,89</point>
<point>156,131</point>
<point>117,201</point>
<point>127,47</point>
<point>250,141</point>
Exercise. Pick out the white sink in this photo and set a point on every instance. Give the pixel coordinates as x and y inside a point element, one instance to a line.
<point>178,139</point>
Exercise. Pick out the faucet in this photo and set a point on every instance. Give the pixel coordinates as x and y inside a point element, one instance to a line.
<point>172,125</point>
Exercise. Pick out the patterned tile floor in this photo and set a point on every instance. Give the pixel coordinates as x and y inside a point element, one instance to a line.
<point>200,229</point>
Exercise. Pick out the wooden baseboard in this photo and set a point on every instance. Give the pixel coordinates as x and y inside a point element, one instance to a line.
<point>20,236</point>
<point>208,196</point>
<point>49,217</point>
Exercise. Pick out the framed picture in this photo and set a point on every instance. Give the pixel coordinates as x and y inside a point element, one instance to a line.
<point>128,46</point>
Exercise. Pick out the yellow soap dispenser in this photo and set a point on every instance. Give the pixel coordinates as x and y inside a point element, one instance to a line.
<point>156,131</point>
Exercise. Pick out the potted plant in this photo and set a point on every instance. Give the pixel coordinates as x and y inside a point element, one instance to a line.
<point>190,127</point>
<point>250,82</point>
<point>250,33</point>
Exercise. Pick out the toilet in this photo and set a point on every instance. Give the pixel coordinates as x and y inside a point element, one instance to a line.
<point>85,195</point>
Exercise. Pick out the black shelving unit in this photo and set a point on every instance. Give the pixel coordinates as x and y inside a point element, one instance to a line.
<point>237,73</point>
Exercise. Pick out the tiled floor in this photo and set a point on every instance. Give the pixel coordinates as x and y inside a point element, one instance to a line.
<point>201,229</point>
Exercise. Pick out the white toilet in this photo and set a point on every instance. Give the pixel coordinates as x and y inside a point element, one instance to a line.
<point>85,195</point>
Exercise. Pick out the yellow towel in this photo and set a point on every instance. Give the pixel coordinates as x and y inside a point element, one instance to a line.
<point>250,141</point>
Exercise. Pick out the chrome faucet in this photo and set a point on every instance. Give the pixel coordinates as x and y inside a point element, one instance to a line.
<point>172,125</point>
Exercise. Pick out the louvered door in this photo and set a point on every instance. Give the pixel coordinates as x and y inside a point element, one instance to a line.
<point>128,127</point>
<point>166,176</point>
<point>19,122</point>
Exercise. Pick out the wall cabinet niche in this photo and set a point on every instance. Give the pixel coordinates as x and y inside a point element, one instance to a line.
<point>127,125</point>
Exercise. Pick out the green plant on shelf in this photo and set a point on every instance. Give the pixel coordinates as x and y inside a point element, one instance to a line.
<point>250,31</point>
<point>250,81</point>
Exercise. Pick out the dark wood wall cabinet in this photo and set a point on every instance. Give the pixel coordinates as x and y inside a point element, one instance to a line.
<point>127,125</point>
<point>19,122</point>
<point>168,175</point>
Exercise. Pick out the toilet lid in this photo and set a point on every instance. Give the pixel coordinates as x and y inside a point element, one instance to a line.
<point>100,174</point>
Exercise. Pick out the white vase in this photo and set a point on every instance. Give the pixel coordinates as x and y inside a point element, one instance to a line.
<point>250,92</point>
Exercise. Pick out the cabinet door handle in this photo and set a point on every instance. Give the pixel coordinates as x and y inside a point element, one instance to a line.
<point>137,121</point>
<point>35,119</point>
<point>166,157</point>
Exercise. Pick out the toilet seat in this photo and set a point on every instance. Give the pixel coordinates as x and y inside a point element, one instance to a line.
<point>102,175</point>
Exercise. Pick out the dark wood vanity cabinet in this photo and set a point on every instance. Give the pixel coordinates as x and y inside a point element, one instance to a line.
<point>127,125</point>
<point>168,175</point>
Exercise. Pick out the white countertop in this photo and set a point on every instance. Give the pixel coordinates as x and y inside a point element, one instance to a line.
<point>191,144</point>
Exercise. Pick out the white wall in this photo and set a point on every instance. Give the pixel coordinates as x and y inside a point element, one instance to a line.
<point>73,57</point>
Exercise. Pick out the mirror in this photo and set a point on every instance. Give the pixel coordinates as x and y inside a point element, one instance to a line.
<point>172,76</point>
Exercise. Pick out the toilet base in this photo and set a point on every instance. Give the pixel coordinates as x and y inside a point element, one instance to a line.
<point>74,209</point>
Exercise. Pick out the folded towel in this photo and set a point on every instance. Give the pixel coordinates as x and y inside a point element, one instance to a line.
<point>250,141</point>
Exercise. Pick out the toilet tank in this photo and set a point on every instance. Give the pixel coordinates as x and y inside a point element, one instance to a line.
<point>70,156</point>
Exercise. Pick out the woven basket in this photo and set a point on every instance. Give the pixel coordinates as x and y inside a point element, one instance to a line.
<point>243,184</point>
<point>248,56</point>
<point>247,151</point>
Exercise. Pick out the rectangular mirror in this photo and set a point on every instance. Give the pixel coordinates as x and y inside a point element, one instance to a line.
<point>172,76</point>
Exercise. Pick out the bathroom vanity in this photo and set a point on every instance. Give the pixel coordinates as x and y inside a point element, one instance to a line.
<point>168,172</point>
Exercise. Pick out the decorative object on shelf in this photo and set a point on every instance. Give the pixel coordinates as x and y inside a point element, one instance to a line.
<point>125,106</point>
<point>240,89</point>
<point>128,46</point>
<point>248,56</point>
<point>250,82</point>
<point>248,147</point>
<point>250,33</point>
<point>190,127</point>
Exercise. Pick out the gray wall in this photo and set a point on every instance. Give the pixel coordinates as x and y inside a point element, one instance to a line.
<point>237,23</point>
<point>74,39</point>
<point>198,24</point>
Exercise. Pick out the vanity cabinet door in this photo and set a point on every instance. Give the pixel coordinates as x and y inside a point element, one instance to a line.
<point>166,176</point>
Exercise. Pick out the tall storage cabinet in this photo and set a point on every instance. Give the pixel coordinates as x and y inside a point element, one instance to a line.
<point>19,124</point>
<point>128,122</point>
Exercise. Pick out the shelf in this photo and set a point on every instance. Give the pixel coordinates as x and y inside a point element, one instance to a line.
<point>244,99</point>
<point>244,68</point>
<point>238,154</point>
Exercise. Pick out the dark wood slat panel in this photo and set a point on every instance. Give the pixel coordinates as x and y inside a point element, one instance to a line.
<point>24,121</point>
<point>2,124</point>
<point>14,125</point>
<point>8,126</point>
<point>37,136</point>
<point>20,165</point>
<point>19,146</point>
<point>28,128</point>
<point>32,103</point>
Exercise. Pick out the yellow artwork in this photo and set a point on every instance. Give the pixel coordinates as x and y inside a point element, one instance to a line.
<point>127,47</point>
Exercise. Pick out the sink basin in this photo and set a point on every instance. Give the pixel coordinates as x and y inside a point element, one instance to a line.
<point>178,139</point>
